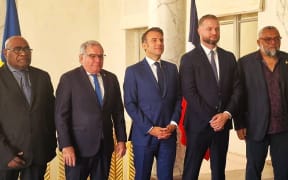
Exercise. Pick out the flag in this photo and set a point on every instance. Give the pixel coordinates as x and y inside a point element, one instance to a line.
<point>193,34</point>
<point>12,26</point>
<point>195,39</point>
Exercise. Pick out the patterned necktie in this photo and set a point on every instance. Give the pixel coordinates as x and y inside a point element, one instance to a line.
<point>97,89</point>
<point>25,85</point>
<point>213,64</point>
<point>160,76</point>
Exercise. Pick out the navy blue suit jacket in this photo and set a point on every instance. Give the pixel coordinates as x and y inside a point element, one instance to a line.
<point>204,96</point>
<point>80,121</point>
<point>144,102</point>
<point>255,102</point>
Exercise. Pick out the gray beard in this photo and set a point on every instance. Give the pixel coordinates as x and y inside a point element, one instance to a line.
<point>270,53</point>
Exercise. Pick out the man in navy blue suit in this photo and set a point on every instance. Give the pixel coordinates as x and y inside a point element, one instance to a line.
<point>153,101</point>
<point>88,107</point>
<point>210,85</point>
<point>264,117</point>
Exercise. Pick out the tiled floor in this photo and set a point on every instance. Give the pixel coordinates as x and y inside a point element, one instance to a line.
<point>235,169</point>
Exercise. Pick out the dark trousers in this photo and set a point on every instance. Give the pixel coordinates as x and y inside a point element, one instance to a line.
<point>33,172</point>
<point>256,152</point>
<point>163,150</point>
<point>197,144</point>
<point>97,167</point>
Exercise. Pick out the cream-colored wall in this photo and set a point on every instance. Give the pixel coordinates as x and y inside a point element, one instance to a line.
<point>55,29</point>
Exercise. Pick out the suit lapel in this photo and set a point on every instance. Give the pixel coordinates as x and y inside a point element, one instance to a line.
<point>222,66</point>
<point>87,84</point>
<point>204,60</point>
<point>150,75</point>
<point>165,71</point>
<point>12,82</point>
<point>33,80</point>
<point>106,86</point>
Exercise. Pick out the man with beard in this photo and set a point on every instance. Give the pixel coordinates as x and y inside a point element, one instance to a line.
<point>264,106</point>
<point>210,84</point>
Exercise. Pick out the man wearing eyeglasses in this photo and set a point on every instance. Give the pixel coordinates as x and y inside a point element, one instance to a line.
<point>264,113</point>
<point>27,129</point>
<point>88,107</point>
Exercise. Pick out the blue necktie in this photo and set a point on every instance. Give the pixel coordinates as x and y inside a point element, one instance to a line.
<point>97,88</point>
<point>213,64</point>
<point>160,77</point>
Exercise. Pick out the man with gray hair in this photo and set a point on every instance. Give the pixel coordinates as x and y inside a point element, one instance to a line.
<point>88,107</point>
<point>264,107</point>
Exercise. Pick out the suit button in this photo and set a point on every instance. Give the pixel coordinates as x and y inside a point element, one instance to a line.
<point>216,107</point>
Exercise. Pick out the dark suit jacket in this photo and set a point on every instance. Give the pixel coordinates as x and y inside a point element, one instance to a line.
<point>204,96</point>
<point>255,105</point>
<point>25,128</point>
<point>144,102</point>
<point>80,121</point>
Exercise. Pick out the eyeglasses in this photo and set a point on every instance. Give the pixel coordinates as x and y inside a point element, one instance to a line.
<point>93,56</point>
<point>18,50</point>
<point>269,39</point>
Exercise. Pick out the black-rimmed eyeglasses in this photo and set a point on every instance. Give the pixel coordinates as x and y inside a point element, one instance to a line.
<point>18,50</point>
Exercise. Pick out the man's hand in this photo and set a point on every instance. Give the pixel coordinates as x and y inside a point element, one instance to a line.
<point>17,161</point>
<point>120,149</point>
<point>218,121</point>
<point>171,128</point>
<point>69,156</point>
<point>241,133</point>
<point>160,133</point>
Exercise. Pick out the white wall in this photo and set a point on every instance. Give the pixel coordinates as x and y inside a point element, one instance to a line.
<point>276,14</point>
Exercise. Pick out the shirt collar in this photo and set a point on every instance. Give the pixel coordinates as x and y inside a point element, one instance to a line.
<point>12,69</point>
<point>151,61</point>
<point>207,50</point>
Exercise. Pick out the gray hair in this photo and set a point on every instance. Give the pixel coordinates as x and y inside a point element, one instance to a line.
<point>86,44</point>
<point>267,28</point>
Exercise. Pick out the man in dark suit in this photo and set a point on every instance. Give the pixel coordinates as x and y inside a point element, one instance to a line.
<point>27,129</point>
<point>88,107</point>
<point>264,115</point>
<point>152,99</point>
<point>210,85</point>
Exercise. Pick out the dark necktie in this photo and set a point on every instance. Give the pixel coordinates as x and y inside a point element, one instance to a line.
<point>213,64</point>
<point>25,85</point>
<point>97,88</point>
<point>160,76</point>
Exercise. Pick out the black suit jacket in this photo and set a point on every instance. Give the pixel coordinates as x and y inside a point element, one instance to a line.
<point>25,128</point>
<point>255,114</point>
<point>206,97</point>
<point>80,121</point>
